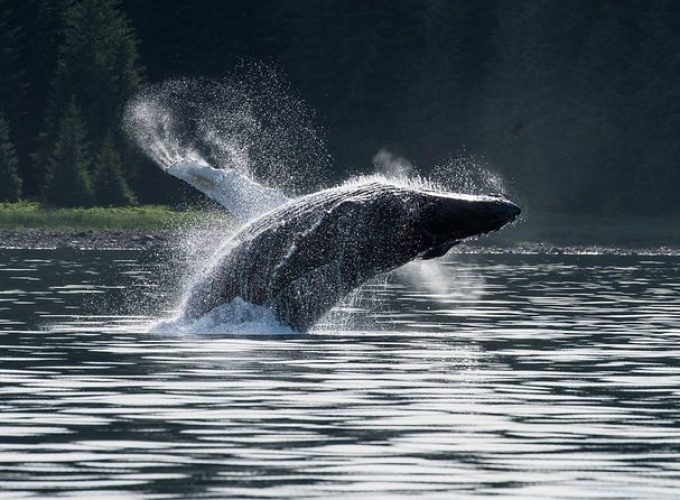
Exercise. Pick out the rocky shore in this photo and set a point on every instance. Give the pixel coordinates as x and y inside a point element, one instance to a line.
<point>85,240</point>
<point>145,240</point>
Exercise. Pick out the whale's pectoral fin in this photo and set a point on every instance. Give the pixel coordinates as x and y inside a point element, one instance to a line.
<point>439,250</point>
<point>242,196</point>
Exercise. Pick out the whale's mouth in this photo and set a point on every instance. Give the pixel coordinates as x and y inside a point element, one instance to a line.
<point>505,213</point>
<point>451,219</point>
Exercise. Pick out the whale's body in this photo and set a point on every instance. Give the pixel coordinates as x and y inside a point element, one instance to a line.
<point>301,258</point>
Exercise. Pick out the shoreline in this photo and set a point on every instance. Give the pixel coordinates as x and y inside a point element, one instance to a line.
<point>106,239</point>
<point>133,239</point>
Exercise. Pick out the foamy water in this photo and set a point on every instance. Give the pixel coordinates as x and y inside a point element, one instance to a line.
<point>237,317</point>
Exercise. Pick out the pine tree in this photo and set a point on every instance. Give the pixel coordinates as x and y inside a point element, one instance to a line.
<point>10,182</point>
<point>12,72</point>
<point>110,187</point>
<point>98,63</point>
<point>68,182</point>
<point>42,26</point>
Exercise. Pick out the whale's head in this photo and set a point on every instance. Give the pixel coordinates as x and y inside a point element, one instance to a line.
<point>397,224</point>
<point>442,220</point>
<point>449,218</point>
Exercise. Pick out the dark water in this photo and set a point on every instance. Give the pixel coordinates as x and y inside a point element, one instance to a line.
<point>534,376</point>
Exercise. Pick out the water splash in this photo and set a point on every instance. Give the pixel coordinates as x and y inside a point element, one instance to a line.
<point>345,315</point>
<point>443,282</point>
<point>418,182</point>
<point>249,122</point>
<point>391,165</point>
<point>237,317</point>
<point>242,141</point>
<point>468,173</point>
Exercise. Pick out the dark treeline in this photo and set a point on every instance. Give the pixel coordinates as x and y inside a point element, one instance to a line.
<point>576,103</point>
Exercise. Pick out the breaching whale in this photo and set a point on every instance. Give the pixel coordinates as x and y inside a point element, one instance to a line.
<point>302,257</point>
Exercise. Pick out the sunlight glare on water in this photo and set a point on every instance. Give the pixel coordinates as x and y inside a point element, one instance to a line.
<point>531,376</point>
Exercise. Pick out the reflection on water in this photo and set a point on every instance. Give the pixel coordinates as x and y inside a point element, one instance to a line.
<point>534,376</point>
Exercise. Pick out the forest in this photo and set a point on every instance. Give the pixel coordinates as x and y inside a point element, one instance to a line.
<point>576,104</point>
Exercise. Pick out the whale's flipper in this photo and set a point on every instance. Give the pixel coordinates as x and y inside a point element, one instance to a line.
<point>439,251</point>
<point>241,196</point>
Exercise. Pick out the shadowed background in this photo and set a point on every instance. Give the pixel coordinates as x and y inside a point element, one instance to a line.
<point>574,102</point>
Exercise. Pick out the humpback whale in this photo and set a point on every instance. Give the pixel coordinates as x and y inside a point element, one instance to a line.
<point>300,258</point>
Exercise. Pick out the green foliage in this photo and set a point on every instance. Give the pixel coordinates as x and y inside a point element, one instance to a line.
<point>26,215</point>
<point>576,229</point>
<point>110,187</point>
<point>12,73</point>
<point>40,23</point>
<point>98,64</point>
<point>68,182</point>
<point>575,103</point>
<point>10,182</point>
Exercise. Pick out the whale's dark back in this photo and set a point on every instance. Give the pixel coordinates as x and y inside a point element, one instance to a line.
<point>301,258</point>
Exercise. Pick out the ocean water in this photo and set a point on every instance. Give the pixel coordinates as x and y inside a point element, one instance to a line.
<point>527,376</point>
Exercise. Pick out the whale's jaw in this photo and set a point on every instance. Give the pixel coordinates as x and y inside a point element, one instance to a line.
<point>452,219</point>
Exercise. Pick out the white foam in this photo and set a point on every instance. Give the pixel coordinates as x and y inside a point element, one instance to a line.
<point>414,182</point>
<point>237,317</point>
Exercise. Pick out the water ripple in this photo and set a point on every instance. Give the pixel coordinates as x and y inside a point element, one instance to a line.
<point>549,376</point>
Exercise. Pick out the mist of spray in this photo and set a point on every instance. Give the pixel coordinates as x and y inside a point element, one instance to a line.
<point>468,173</point>
<point>444,282</point>
<point>391,165</point>
<point>249,121</point>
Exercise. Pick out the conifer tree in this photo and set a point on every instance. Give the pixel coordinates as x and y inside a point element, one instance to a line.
<point>12,72</point>
<point>110,187</point>
<point>98,63</point>
<point>42,25</point>
<point>68,182</point>
<point>10,182</point>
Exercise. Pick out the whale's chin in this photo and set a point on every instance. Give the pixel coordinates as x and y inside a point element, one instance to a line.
<point>450,220</point>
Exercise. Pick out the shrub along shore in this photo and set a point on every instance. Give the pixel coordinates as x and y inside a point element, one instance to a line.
<point>557,229</point>
<point>27,215</point>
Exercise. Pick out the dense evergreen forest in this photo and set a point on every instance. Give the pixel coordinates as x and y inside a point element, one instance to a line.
<point>576,103</point>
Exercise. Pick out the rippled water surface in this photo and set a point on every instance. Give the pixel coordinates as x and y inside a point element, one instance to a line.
<point>489,375</point>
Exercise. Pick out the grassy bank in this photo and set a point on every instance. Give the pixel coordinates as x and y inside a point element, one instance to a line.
<point>145,218</point>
